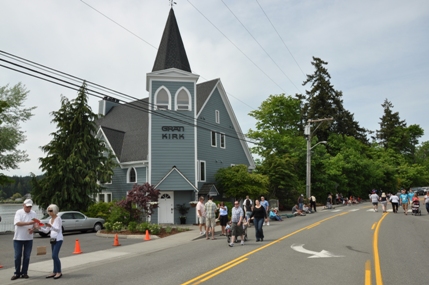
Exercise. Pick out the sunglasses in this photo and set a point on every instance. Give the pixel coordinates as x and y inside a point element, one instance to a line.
<point>50,211</point>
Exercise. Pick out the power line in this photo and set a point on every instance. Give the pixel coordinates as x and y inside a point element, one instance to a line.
<point>188,120</point>
<point>262,47</point>
<point>257,66</point>
<point>281,38</point>
<point>134,34</point>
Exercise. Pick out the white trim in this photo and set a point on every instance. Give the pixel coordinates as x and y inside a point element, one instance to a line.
<point>106,194</point>
<point>128,175</point>
<point>100,134</point>
<point>217,117</point>
<point>199,170</point>
<point>180,173</point>
<point>222,135</point>
<point>156,95</point>
<point>215,139</point>
<point>176,105</point>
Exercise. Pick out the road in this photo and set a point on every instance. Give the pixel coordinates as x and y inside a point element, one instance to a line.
<point>348,245</point>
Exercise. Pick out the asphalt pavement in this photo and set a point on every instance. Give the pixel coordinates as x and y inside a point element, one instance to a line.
<point>38,270</point>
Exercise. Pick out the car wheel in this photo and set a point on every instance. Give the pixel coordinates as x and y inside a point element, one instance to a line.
<point>43,234</point>
<point>97,227</point>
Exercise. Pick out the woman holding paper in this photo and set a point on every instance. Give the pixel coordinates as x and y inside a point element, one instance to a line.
<point>55,227</point>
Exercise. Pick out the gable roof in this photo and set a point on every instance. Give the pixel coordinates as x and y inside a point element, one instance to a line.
<point>171,51</point>
<point>204,90</point>
<point>126,128</point>
<point>185,182</point>
<point>208,189</point>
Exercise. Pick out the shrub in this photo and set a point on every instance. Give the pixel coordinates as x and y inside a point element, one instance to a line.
<point>108,226</point>
<point>154,229</point>
<point>132,226</point>
<point>100,210</point>
<point>142,227</point>
<point>119,214</point>
<point>117,226</point>
<point>168,229</point>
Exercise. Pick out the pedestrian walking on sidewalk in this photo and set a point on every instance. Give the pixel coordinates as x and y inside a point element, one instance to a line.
<point>55,228</point>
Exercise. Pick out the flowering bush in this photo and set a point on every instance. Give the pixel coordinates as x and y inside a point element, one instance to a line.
<point>117,226</point>
<point>142,227</point>
<point>108,226</point>
<point>154,229</point>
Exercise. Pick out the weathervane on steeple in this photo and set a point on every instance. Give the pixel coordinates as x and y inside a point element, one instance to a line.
<point>172,3</point>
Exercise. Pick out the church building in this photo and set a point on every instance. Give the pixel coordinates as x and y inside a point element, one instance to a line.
<point>175,139</point>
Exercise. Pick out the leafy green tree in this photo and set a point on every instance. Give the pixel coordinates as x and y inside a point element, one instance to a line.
<point>323,101</point>
<point>77,163</point>
<point>236,181</point>
<point>12,113</point>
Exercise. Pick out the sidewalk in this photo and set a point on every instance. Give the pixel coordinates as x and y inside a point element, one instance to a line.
<point>39,270</point>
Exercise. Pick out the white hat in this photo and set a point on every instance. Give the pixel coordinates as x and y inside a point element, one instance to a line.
<point>28,202</point>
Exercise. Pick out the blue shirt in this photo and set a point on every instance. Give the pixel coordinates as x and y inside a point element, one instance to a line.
<point>410,196</point>
<point>264,204</point>
<point>404,198</point>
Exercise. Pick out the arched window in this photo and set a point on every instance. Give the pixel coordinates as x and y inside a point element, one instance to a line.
<point>162,99</point>
<point>132,175</point>
<point>183,100</point>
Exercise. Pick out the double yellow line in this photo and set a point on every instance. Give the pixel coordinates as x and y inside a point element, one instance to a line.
<point>377,268</point>
<point>218,270</point>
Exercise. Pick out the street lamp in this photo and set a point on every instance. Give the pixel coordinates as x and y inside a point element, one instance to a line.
<point>308,133</point>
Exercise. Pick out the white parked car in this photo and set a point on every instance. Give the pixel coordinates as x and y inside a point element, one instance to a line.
<point>76,221</point>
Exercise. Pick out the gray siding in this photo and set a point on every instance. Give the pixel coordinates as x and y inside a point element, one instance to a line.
<point>184,197</point>
<point>119,186</point>
<point>175,181</point>
<point>173,147</point>
<point>217,157</point>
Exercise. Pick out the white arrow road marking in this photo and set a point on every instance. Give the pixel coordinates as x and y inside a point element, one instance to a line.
<point>333,211</point>
<point>314,254</point>
<point>354,210</point>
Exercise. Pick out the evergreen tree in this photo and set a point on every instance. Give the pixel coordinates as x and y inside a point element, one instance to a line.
<point>76,161</point>
<point>390,124</point>
<point>394,133</point>
<point>323,101</point>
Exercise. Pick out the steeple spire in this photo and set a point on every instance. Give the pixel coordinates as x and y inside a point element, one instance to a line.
<point>171,52</point>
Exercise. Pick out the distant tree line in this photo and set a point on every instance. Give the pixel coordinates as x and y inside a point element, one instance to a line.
<point>19,184</point>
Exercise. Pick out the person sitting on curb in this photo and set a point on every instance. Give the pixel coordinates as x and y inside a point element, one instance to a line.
<point>296,211</point>
<point>307,209</point>
<point>274,215</point>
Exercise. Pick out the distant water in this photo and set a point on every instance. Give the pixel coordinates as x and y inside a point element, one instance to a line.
<point>7,213</point>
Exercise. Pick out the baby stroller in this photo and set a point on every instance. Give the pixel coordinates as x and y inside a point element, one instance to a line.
<point>416,208</point>
<point>228,230</point>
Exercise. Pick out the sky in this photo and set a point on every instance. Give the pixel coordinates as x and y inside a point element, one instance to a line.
<point>375,50</point>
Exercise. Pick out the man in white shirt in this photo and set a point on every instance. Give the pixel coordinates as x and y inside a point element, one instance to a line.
<point>201,214</point>
<point>23,238</point>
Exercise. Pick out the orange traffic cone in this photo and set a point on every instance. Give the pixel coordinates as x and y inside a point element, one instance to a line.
<point>116,241</point>
<point>1,266</point>
<point>147,237</point>
<point>77,248</point>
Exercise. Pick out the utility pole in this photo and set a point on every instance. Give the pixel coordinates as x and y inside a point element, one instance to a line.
<point>308,133</point>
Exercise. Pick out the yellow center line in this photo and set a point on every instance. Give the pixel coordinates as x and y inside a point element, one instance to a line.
<point>368,272</point>
<point>373,225</point>
<point>220,271</point>
<point>378,276</point>
<point>205,276</point>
